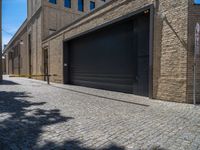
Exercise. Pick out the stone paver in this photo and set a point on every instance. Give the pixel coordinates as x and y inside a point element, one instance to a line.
<point>34,115</point>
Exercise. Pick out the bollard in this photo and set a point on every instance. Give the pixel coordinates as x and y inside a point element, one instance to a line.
<point>48,79</point>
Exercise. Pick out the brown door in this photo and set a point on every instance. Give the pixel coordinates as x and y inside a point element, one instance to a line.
<point>45,64</point>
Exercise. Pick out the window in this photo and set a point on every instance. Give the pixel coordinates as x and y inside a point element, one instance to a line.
<point>68,3</point>
<point>92,5</point>
<point>80,5</point>
<point>196,1</point>
<point>53,1</point>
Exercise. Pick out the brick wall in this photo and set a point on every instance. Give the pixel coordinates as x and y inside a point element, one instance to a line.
<point>56,59</point>
<point>19,58</point>
<point>32,7</point>
<point>170,43</point>
<point>23,54</point>
<point>4,66</point>
<point>57,15</point>
<point>38,25</point>
<point>35,29</point>
<point>173,42</point>
<point>170,65</point>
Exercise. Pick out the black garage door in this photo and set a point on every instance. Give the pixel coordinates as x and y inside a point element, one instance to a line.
<point>115,57</point>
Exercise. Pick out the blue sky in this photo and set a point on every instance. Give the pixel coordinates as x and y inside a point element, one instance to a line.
<point>14,13</point>
<point>197,1</point>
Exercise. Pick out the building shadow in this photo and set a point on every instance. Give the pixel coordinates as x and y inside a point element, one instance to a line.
<point>22,121</point>
<point>20,126</point>
<point>103,97</point>
<point>6,82</point>
<point>77,145</point>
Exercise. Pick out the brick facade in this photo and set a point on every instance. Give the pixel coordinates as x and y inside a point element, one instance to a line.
<point>43,18</point>
<point>173,42</point>
<point>170,38</point>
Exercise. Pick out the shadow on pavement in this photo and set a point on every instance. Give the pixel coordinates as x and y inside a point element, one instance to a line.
<point>77,145</point>
<point>20,126</point>
<point>6,82</point>
<point>22,121</point>
<point>104,97</point>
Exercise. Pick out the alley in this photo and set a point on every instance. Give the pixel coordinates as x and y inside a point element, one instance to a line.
<point>34,115</point>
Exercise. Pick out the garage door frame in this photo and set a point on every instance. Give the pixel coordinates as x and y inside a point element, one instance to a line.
<point>149,8</point>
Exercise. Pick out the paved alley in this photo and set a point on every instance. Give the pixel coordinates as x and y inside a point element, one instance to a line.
<point>34,115</point>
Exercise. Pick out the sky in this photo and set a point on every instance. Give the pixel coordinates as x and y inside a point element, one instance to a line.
<point>197,1</point>
<point>14,13</point>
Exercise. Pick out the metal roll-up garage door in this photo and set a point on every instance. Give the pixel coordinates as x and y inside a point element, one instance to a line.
<point>114,58</point>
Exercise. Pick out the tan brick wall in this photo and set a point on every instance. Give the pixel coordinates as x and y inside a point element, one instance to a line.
<point>171,63</point>
<point>57,15</point>
<point>20,59</point>
<point>7,63</point>
<point>56,59</point>
<point>35,29</point>
<point>23,54</point>
<point>173,41</point>
<point>170,44</point>
<point>55,18</point>
<point>32,7</point>
<point>194,17</point>
<point>4,66</point>
<point>38,25</point>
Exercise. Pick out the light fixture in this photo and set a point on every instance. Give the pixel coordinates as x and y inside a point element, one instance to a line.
<point>21,42</point>
<point>146,11</point>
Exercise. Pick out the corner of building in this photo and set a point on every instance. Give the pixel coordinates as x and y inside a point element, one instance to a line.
<point>170,50</point>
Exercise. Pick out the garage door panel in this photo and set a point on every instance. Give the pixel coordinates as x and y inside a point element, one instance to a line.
<point>100,57</point>
<point>106,86</point>
<point>103,78</point>
<point>113,58</point>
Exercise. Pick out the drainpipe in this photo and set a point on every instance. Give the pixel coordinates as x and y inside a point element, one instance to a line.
<point>194,81</point>
<point>196,52</point>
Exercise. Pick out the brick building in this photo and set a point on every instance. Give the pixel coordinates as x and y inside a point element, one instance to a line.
<point>1,61</point>
<point>43,18</point>
<point>143,47</point>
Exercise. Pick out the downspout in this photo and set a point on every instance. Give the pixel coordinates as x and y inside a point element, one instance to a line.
<point>196,52</point>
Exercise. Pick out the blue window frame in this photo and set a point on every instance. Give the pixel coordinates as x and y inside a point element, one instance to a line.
<point>80,5</point>
<point>92,5</point>
<point>67,3</point>
<point>197,2</point>
<point>53,1</point>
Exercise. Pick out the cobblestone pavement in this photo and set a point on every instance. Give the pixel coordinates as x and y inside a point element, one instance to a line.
<point>34,115</point>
